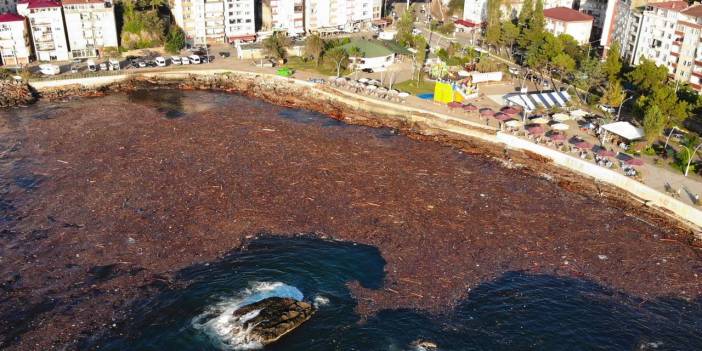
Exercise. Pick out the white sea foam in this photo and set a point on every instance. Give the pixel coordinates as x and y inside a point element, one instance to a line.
<point>227,331</point>
<point>320,300</point>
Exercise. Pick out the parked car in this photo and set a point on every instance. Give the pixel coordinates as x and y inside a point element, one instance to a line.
<point>607,108</point>
<point>49,69</point>
<point>141,64</point>
<point>223,54</point>
<point>194,59</point>
<point>103,66</point>
<point>92,67</point>
<point>160,61</point>
<point>74,69</point>
<point>175,60</point>
<point>114,65</point>
<point>185,60</point>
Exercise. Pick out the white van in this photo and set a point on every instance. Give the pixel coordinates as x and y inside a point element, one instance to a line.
<point>194,59</point>
<point>184,60</point>
<point>49,69</point>
<point>160,61</point>
<point>92,67</point>
<point>175,60</point>
<point>114,65</point>
<point>103,66</point>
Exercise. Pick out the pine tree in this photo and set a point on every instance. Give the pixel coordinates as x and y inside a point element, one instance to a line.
<point>525,13</point>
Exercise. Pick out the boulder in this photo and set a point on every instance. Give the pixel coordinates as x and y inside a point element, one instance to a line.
<point>276,317</point>
<point>15,94</point>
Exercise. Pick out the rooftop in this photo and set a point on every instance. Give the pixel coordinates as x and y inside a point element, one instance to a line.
<point>10,17</point>
<point>694,10</point>
<point>36,4</point>
<point>670,5</point>
<point>566,14</point>
<point>369,48</point>
<point>78,2</point>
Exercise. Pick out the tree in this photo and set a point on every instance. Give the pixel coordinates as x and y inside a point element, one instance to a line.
<point>404,27</point>
<point>276,45</point>
<point>340,58</point>
<point>533,33</point>
<point>314,47</point>
<point>509,35</point>
<point>613,65</point>
<point>588,75</point>
<point>653,123</point>
<point>525,14</point>
<point>564,63</point>
<point>420,44</point>
<point>175,41</point>
<point>493,29</point>
<point>455,7</point>
<point>647,77</point>
<point>157,3</point>
<point>355,52</point>
<point>666,100</point>
<point>614,95</point>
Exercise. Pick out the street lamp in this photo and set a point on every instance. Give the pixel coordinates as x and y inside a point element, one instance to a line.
<point>691,155</point>
<point>668,138</point>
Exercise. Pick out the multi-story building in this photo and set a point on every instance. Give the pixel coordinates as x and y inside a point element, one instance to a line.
<point>598,10</point>
<point>342,14</point>
<point>90,25</point>
<point>687,47</point>
<point>622,22</point>
<point>8,6</point>
<point>283,15</point>
<point>46,28</point>
<point>15,48</point>
<point>475,11</point>
<point>657,33</point>
<point>215,20</point>
<point>564,20</point>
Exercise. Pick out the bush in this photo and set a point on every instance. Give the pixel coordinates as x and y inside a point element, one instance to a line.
<point>175,40</point>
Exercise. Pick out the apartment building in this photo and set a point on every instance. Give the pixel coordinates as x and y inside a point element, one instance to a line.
<point>687,47</point>
<point>46,27</point>
<point>475,11</point>
<point>90,25</point>
<point>342,14</point>
<point>283,15</point>
<point>657,34</point>
<point>598,10</point>
<point>8,6</point>
<point>215,20</point>
<point>564,20</point>
<point>15,47</point>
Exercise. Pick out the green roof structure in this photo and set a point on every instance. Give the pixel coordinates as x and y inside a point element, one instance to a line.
<point>368,48</point>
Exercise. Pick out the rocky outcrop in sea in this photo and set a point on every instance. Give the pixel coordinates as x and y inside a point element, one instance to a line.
<point>15,94</point>
<point>271,318</point>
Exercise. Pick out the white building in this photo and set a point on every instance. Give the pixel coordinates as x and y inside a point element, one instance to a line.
<point>283,15</point>
<point>215,20</point>
<point>563,20</point>
<point>46,28</point>
<point>90,25</point>
<point>15,48</point>
<point>342,14</point>
<point>8,6</point>
<point>475,11</point>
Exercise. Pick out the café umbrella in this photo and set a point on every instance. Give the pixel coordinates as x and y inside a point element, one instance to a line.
<point>513,123</point>
<point>501,116</point>
<point>538,120</point>
<point>560,126</point>
<point>535,130</point>
<point>470,107</point>
<point>634,162</point>
<point>454,104</point>
<point>583,145</point>
<point>509,110</point>
<point>606,153</point>
<point>487,112</point>
<point>561,117</point>
<point>557,137</point>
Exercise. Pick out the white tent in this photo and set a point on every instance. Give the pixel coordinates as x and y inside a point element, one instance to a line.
<point>531,100</point>
<point>625,130</point>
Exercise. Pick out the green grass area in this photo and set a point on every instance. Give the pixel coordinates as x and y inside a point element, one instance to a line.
<point>411,87</point>
<point>324,68</point>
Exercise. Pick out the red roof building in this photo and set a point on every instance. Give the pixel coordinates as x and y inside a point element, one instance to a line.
<point>10,17</point>
<point>566,14</point>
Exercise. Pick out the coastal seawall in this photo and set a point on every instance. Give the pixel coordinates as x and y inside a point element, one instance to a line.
<point>357,109</point>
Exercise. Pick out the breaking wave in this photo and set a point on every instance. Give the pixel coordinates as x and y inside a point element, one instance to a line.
<point>227,331</point>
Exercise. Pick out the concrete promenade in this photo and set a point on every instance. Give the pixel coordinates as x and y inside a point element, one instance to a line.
<point>432,118</point>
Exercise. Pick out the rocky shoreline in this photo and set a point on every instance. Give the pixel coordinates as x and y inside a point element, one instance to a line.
<point>435,253</point>
<point>14,94</point>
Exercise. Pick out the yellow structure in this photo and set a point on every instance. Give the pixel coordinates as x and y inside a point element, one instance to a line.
<point>444,93</point>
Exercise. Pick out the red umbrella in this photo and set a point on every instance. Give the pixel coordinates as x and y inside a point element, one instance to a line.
<point>454,104</point>
<point>501,116</point>
<point>510,110</point>
<point>487,111</point>
<point>583,145</point>
<point>535,130</point>
<point>470,107</point>
<point>557,137</point>
<point>634,162</point>
<point>606,153</point>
